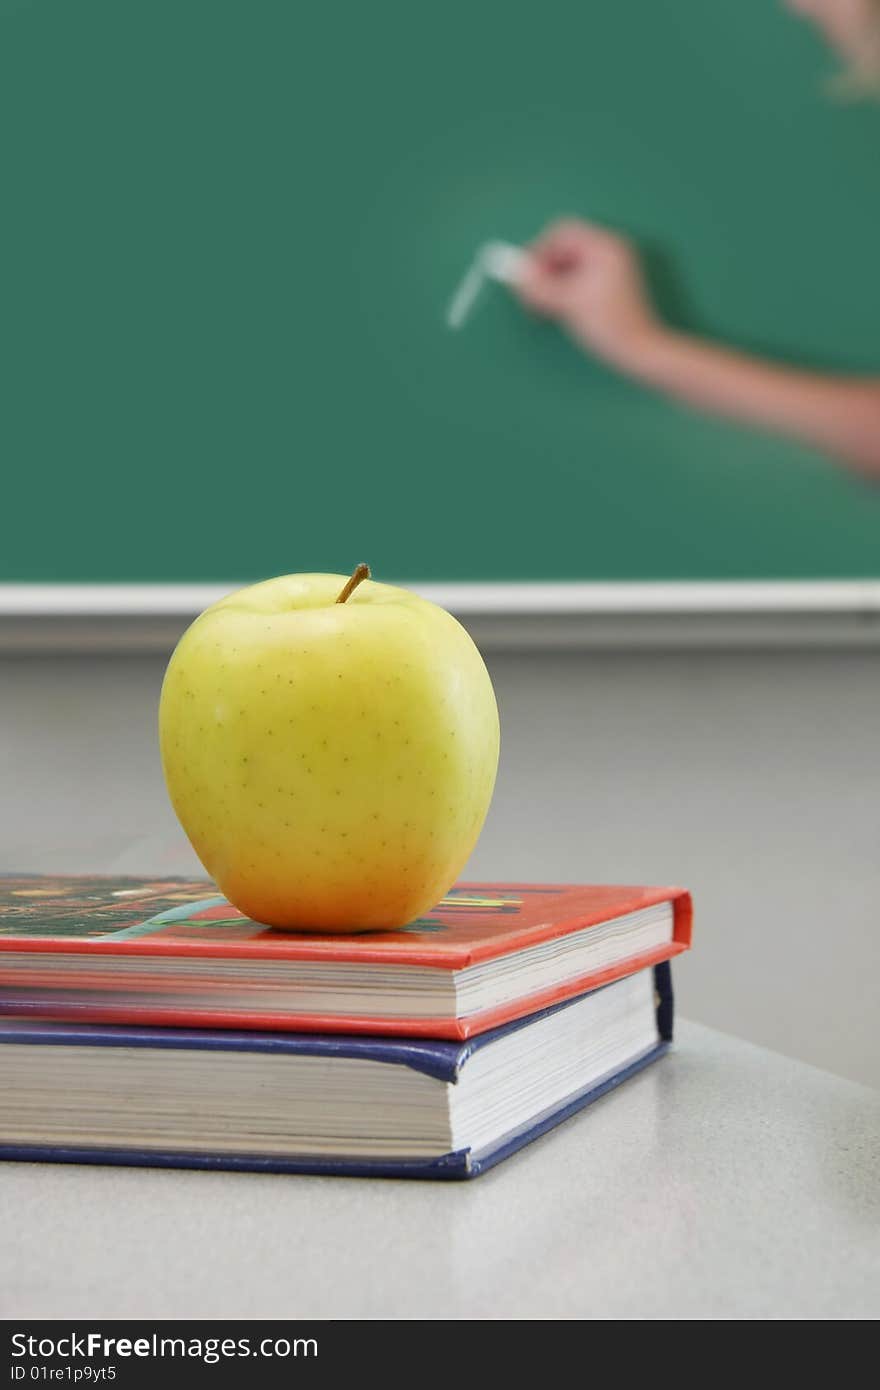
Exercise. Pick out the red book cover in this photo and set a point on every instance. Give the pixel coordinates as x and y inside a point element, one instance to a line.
<point>58,934</point>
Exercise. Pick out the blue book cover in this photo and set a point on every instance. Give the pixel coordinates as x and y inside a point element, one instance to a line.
<point>443,1061</point>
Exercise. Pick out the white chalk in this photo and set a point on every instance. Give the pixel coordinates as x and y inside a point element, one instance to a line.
<point>495,260</point>
<point>503,262</point>
<point>466,294</point>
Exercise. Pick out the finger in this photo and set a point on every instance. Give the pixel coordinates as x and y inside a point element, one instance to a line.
<point>570,245</point>
<point>566,243</point>
<point>540,287</point>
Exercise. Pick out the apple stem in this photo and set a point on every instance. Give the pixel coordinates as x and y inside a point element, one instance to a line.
<point>362,572</point>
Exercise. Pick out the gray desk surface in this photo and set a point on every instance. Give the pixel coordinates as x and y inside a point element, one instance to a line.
<point>725,1182</point>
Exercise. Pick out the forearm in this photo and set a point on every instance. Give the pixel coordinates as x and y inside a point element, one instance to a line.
<point>838,415</point>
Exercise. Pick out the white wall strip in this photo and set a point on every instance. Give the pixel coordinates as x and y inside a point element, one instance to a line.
<point>141,617</point>
<point>786,596</point>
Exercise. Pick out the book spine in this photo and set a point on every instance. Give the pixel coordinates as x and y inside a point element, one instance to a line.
<point>665,999</point>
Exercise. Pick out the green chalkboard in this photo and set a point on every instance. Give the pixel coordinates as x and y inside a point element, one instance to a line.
<point>229,230</point>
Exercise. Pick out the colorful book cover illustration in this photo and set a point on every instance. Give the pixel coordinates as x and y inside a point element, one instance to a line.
<point>88,908</point>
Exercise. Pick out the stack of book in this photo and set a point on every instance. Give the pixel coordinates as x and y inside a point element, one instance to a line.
<point>149,1022</point>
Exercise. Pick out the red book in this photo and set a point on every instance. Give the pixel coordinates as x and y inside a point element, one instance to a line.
<point>173,952</point>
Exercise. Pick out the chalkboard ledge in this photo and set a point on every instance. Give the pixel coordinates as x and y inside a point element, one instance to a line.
<point>108,618</point>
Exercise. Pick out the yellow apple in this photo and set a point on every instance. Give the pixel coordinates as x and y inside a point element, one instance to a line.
<point>330,748</point>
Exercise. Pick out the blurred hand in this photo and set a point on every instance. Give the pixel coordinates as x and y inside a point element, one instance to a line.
<point>589,280</point>
<point>849,26</point>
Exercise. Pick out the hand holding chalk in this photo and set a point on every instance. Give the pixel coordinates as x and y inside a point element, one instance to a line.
<point>495,260</point>
<point>589,280</point>
<point>585,277</point>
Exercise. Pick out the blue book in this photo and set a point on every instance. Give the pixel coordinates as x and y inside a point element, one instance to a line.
<point>314,1103</point>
